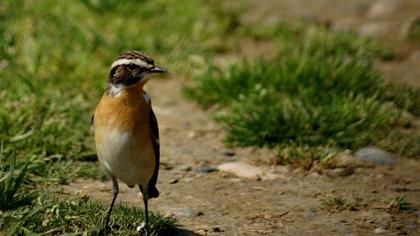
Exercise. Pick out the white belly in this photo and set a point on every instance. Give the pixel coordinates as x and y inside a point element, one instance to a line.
<point>128,159</point>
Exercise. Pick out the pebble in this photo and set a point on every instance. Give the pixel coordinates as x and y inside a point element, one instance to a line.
<point>206,169</point>
<point>375,155</point>
<point>186,168</point>
<point>315,174</point>
<point>269,176</point>
<point>229,153</point>
<point>397,188</point>
<point>384,9</point>
<point>173,181</point>
<point>217,229</point>
<point>192,135</point>
<point>339,172</point>
<point>379,230</point>
<point>241,169</point>
<point>185,212</point>
<point>235,180</point>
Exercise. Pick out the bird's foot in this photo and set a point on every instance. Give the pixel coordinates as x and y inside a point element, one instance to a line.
<point>142,230</point>
<point>105,230</point>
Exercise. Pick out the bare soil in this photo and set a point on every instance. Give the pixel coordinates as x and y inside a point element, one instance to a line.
<point>294,202</point>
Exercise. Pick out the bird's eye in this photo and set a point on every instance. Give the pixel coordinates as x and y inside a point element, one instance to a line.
<point>131,66</point>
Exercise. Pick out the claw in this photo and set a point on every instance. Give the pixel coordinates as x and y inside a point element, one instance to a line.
<point>141,229</point>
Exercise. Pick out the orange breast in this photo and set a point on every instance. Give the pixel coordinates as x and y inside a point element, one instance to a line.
<point>123,136</point>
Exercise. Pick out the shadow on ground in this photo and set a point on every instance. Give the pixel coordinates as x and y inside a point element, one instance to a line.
<point>185,232</point>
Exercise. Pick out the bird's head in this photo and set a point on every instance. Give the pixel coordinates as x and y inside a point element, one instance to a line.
<point>132,67</point>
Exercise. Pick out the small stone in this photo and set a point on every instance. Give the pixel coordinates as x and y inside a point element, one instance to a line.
<point>206,169</point>
<point>315,174</point>
<point>229,153</point>
<point>384,9</point>
<point>188,179</point>
<point>217,229</point>
<point>340,172</point>
<point>186,168</point>
<point>173,181</point>
<point>397,188</point>
<point>185,212</point>
<point>375,155</point>
<point>192,135</point>
<point>235,180</point>
<point>241,169</point>
<point>379,230</point>
<point>269,176</point>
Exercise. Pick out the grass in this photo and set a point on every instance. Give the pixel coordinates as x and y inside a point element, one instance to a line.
<point>54,60</point>
<point>11,181</point>
<point>400,203</point>
<point>322,90</point>
<point>52,215</point>
<point>20,214</point>
<point>340,203</point>
<point>56,57</point>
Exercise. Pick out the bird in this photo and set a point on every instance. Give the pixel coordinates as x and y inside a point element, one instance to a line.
<point>126,131</point>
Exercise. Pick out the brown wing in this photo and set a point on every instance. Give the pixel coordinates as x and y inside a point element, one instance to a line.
<point>153,192</point>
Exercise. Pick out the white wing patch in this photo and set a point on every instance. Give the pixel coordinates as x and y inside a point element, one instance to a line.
<point>126,61</point>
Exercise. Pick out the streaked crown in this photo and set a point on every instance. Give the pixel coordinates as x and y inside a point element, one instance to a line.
<point>131,67</point>
<point>133,57</point>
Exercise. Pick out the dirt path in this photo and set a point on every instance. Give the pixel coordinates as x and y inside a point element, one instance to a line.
<point>293,202</point>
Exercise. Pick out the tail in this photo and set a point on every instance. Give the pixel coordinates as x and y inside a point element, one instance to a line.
<point>153,192</point>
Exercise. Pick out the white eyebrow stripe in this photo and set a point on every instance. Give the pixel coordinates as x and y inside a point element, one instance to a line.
<point>125,61</point>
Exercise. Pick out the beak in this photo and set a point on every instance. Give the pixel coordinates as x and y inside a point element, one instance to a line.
<point>157,69</point>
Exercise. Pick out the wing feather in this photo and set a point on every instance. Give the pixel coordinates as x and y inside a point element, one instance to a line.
<point>153,192</point>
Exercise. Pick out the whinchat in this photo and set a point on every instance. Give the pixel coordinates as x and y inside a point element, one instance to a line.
<point>126,130</point>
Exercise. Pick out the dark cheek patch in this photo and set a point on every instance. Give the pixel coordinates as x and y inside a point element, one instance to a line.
<point>117,75</point>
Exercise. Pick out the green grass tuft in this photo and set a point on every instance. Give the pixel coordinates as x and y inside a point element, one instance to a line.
<point>339,203</point>
<point>11,182</point>
<point>400,203</point>
<point>82,216</point>
<point>321,91</point>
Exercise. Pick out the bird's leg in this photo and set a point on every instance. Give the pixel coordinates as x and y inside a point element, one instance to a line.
<point>115,191</point>
<point>143,229</point>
